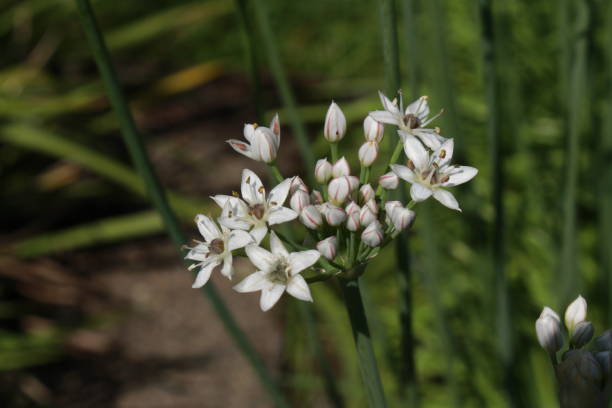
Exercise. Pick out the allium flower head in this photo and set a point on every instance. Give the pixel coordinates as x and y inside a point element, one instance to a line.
<point>216,249</point>
<point>430,174</point>
<point>277,271</point>
<point>254,212</point>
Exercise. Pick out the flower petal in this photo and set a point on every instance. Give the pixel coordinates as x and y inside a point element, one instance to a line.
<point>204,273</point>
<point>248,132</point>
<point>419,108</point>
<point>387,104</point>
<point>278,194</point>
<point>443,155</point>
<point>416,152</point>
<point>258,233</point>
<point>429,138</point>
<point>263,259</point>
<point>298,261</point>
<point>198,253</point>
<point>252,283</point>
<point>279,215</point>
<point>207,227</point>
<point>242,148</point>
<point>235,223</point>
<point>298,288</point>
<point>460,175</point>
<point>418,192</point>
<point>239,239</point>
<point>385,117</point>
<point>251,188</point>
<point>447,199</point>
<point>228,270</point>
<point>222,200</point>
<point>269,296</point>
<point>403,172</point>
<point>276,246</point>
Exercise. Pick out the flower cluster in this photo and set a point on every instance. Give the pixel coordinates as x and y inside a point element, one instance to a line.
<point>347,218</point>
<point>583,375</point>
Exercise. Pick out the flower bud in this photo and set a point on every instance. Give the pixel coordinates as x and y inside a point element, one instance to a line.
<point>311,217</point>
<point>390,205</point>
<point>368,152</point>
<point>604,358</point>
<point>353,182</point>
<point>548,330</point>
<point>389,181</point>
<point>299,200</point>
<point>264,145</point>
<point>328,247</point>
<point>373,206</point>
<point>334,216</point>
<point>339,189</point>
<point>583,333</point>
<point>373,235</point>
<point>352,213</point>
<point>402,218</point>
<point>575,313</point>
<point>373,130</point>
<point>366,216</point>
<point>316,197</point>
<point>297,184</point>
<point>341,168</point>
<point>335,124</point>
<point>366,193</point>
<point>275,128</point>
<point>604,342</point>
<point>323,171</point>
<point>352,208</point>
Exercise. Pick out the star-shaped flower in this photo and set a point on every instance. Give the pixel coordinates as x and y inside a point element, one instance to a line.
<point>411,122</point>
<point>263,142</point>
<point>430,173</point>
<point>254,212</point>
<point>216,250</point>
<point>277,271</point>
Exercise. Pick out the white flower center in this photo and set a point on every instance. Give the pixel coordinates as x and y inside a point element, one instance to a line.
<point>280,273</point>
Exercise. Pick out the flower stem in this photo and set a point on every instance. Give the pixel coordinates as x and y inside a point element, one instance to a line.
<point>276,172</point>
<point>333,149</point>
<point>135,146</point>
<point>363,342</point>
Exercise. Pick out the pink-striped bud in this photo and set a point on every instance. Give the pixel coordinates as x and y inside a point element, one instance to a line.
<point>297,184</point>
<point>335,124</point>
<point>352,215</point>
<point>372,236</point>
<point>368,152</point>
<point>353,182</point>
<point>299,200</point>
<point>341,168</point>
<point>327,248</point>
<point>366,193</point>
<point>372,205</point>
<point>316,197</point>
<point>311,217</point>
<point>275,128</point>
<point>389,181</point>
<point>402,218</point>
<point>366,216</point>
<point>373,130</point>
<point>390,205</point>
<point>339,189</point>
<point>323,171</point>
<point>334,216</point>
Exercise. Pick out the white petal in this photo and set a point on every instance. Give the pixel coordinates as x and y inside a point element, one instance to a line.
<point>429,138</point>
<point>235,223</point>
<point>403,172</point>
<point>263,259</point>
<point>277,247</point>
<point>258,233</point>
<point>239,239</point>
<point>251,188</point>
<point>416,152</point>
<point>419,108</point>
<point>460,175</point>
<point>447,198</point>
<point>447,147</point>
<point>242,148</point>
<point>419,193</point>
<point>387,104</point>
<point>269,296</point>
<point>302,260</point>
<point>227,269</point>
<point>252,283</point>
<point>198,253</point>
<point>207,227</point>
<point>298,288</point>
<point>222,200</point>
<point>278,194</point>
<point>204,273</point>
<point>385,117</point>
<point>279,215</point>
<point>248,132</point>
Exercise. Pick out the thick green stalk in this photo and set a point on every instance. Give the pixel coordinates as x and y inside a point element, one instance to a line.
<point>363,342</point>
<point>136,148</point>
<point>605,203</point>
<point>286,94</point>
<point>388,25</point>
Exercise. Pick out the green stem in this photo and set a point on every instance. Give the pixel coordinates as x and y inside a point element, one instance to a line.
<point>135,145</point>
<point>286,94</point>
<point>276,172</point>
<point>363,342</point>
<point>333,149</point>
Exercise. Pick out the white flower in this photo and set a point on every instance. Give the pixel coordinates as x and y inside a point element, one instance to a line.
<point>311,217</point>
<point>366,193</point>
<point>373,130</point>
<point>575,313</point>
<point>373,234</point>
<point>328,247</point>
<point>390,206</point>
<point>299,200</point>
<point>401,218</point>
<point>216,250</point>
<point>297,184</point>
<point>366,216</point>
<point>341,168</point>
<point>316,197</point>
<point>412,121</point>
<point>368,152</point>
<point>335,124</point>
<point>323,171</point>
<point>339,189</point>
<point>277,271</point>
<point>334,215</point>
<point>548,330</point>
<point>263,143</point>
<point>430,173</point>
<point>353,182</point>
<point>389,181</point>
<point>254,212</point>
<point>352,214</point>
